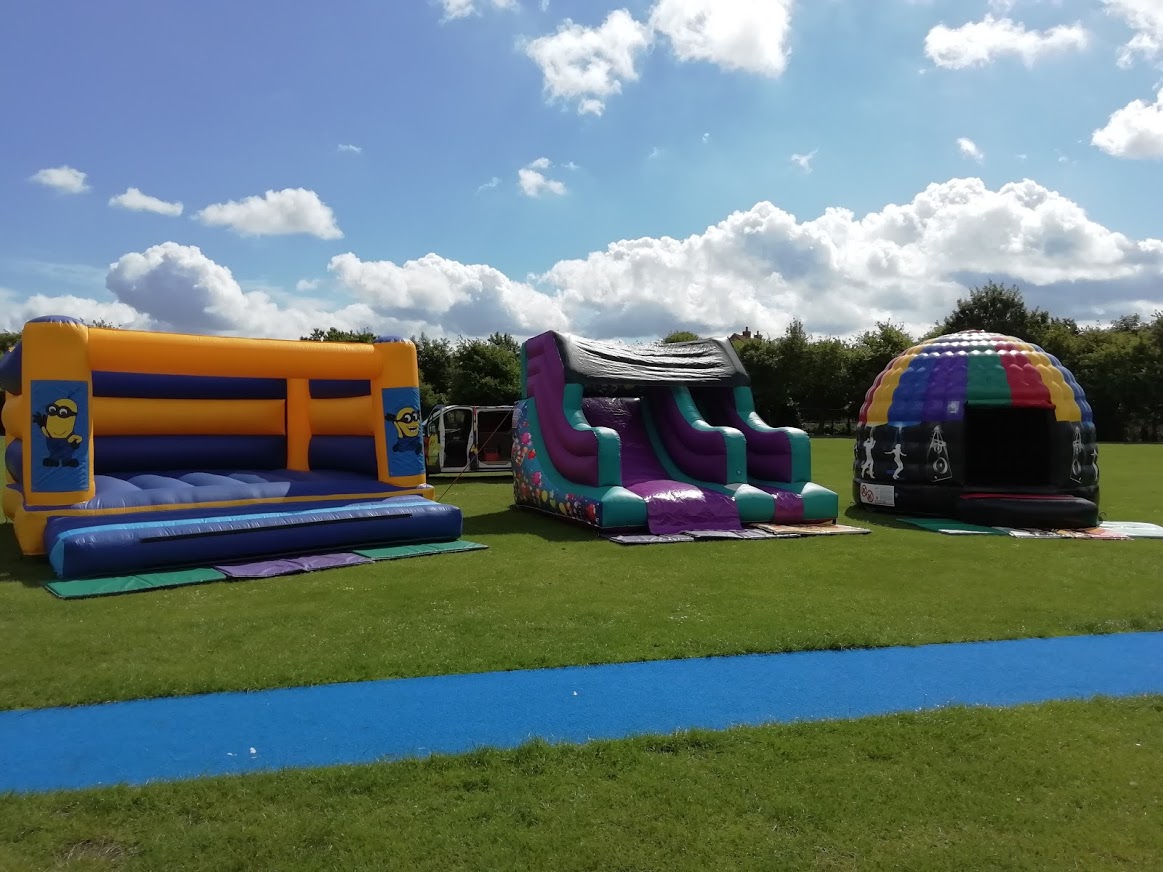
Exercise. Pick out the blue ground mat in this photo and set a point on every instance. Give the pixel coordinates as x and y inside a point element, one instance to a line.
<point>229,733</point>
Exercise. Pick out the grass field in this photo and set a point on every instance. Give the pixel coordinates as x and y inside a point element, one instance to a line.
<point>1051,787</point>
<point>1071,785</point>
<point>548,594</point>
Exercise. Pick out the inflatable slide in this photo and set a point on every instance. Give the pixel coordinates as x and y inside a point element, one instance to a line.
<point>657,437</point>
<point>133,451</point>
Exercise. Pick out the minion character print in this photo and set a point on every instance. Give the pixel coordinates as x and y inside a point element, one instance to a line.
<point>405,442</point>
<point>59,436</point>
<point>58,424</point>
<point>407,421</point>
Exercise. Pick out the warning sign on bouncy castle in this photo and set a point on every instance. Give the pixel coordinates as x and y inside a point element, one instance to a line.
<point>877,494</point>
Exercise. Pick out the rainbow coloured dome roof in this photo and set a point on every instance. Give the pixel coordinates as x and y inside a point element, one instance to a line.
<point>933,381</point>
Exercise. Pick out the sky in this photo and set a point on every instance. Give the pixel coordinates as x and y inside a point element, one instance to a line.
<point>458,167</point>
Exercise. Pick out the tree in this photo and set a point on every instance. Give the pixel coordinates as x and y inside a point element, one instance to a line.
<point>486,374</point>
<point>869,355</point>
<point>334,334</point>
<point>769,381</point>
<point>996,309</point>
<point>506,341</point>
<point>826,382</point>
<point>437,362</point>
<point>680,336</point>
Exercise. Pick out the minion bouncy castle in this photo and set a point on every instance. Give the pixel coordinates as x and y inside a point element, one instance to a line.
<point>982,428</point>
<point>132,451</point>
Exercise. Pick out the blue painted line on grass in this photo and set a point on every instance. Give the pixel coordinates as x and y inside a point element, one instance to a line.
<point>214,734</point>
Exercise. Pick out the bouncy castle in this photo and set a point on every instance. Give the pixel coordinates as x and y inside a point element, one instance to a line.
<point>982,428</point>
<point>131,451</point>
<point>658,437</point>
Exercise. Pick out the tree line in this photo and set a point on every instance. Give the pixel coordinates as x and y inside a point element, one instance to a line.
<point>819,383</point>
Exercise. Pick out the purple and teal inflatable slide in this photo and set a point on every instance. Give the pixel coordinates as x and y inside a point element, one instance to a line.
<point>657,437</point>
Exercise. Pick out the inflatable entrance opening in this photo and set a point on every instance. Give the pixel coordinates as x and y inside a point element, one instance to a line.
<point>662,437</point>
<point>980,427</point>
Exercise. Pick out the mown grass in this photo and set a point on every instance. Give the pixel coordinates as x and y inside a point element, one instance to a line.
<point>548,594</point>
<point>1057,786</point>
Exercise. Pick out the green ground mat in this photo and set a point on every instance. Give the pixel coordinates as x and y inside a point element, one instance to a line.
<point>86,587</point>
<point>944,525</point>
<point>396,552</point>
<point>91,587</point>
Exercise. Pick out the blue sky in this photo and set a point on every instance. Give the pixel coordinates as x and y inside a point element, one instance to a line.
<point>216,102</point>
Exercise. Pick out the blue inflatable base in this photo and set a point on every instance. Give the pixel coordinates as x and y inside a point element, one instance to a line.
<point>131,545</point>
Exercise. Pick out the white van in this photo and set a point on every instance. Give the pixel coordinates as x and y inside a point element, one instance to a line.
<point>469,439</point>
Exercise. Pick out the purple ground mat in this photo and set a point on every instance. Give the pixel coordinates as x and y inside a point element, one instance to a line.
<point>291,565</point>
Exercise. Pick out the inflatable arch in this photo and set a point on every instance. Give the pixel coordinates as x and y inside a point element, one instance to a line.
<point>662,437</point>
<point>131,451</point>
<point>980,427</point>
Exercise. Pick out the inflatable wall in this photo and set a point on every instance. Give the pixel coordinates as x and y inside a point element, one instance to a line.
<point>196,448</point>
<point>661,437</point>
<point>980,427</point>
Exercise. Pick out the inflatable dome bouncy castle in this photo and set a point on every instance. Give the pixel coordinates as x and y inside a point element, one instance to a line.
<point>979,427</point>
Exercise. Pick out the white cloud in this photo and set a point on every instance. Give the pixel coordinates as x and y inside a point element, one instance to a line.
<point>655,153</point>
<point>1134,132</point>
<point>177,287</point>
<point>706,137</point>
<point>588,65</point>
<point>746,35</point>
<point>64,179</point>
<point>839,273</point>
<point>982,42</point>
<point>804,161</point>
<point>454,9</point>
<point>533,182</point>
<point>969,149</point>
<point>304,285</point>
<point>1145,18</point>
<point>350,149</point>
<point>16,312</point>
<point>135,201</point>
<point>491,183</point>
<point>276,213</point>
<point>469,298</point>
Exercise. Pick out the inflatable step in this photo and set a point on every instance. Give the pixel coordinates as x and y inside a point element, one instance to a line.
<point>78,550</point>
<point>1043,511</point>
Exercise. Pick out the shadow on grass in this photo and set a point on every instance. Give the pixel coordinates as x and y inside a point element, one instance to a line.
<point>15,567</point>
<point>474,478</point>
<point>512,520</point>
<point>876,519</point>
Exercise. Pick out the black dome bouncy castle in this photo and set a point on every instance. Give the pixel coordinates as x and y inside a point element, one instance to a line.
<point>982,428</point>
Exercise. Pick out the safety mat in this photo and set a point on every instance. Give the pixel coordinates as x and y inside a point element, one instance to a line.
<point>94,587</point>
